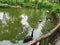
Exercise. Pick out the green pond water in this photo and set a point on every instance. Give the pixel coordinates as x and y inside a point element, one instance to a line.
<point>16,23</point>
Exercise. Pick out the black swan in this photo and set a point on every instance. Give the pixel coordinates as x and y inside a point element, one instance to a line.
<point>28,38</point>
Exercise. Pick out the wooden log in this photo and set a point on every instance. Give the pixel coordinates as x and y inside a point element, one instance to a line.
<point>44,36</point>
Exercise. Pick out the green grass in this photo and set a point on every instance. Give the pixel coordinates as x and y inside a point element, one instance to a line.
<point>48,26</point>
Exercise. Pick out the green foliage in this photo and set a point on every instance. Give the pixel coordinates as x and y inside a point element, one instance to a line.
<point>41,5</point>
<point>25,1</point>
<point>56,8</point>
<point>48,26</point>
<point>49,44</point>
<point>28,4</point>
<point>45,5</point>
<point>0,1</point>
<point>10,2</point>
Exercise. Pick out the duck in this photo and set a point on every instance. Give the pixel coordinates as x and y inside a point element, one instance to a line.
<point>28,38</point>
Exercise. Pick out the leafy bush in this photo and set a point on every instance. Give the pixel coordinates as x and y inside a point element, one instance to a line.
<point>56,8</point>
<point>12,3</point>
<point>48,26</point>
<point>45,5</point>
<point>20,3</point>
<point>0,1</point>
<point>26,1</point>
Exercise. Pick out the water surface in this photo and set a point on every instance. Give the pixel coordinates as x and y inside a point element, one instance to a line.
<point>16,24</point>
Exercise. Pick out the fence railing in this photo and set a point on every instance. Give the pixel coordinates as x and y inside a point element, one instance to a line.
<point>49,38</point>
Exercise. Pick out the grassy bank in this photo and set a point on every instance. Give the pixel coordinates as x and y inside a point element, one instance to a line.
<point>40,5</point>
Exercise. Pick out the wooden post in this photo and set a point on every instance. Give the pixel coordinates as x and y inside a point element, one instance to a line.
<point>42,42</point>
<point>46,41</point>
